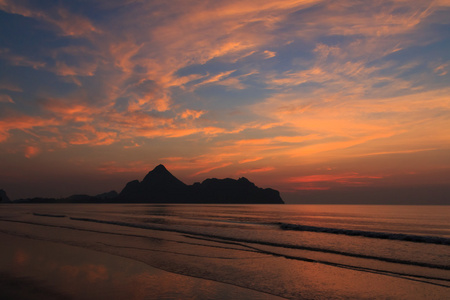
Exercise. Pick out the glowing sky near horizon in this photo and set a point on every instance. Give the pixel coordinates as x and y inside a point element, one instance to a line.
<point>298,95</point>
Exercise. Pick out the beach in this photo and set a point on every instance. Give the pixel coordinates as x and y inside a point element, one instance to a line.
<point>37,269</point>
<point>219,252</point>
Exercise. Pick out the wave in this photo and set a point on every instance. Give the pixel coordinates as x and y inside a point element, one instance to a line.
<point>232,240</point>
<point>49,215</point>
<point>250,245</point>
<point>369,234</point>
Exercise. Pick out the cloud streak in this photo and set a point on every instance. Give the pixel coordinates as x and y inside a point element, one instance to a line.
<point>66,22</point>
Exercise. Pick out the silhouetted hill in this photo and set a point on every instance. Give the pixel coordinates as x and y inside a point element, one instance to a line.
<point>160,186</point>
<point>42,200</point>
<point>100,198</point>
<point>3,197</point>
<point>233,191</point>
<point>161,179</point>
<point>107,196</point>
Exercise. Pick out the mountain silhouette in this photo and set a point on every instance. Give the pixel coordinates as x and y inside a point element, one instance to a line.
<point>3,197</point>
<point>160,186</point>
<point>161,178</point>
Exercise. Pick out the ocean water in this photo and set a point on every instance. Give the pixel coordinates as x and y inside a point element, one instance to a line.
<point>289,251</point>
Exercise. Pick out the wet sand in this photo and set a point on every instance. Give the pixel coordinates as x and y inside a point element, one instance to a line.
<point>36,269</point>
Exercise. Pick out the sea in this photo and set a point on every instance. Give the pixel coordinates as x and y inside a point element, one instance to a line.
<point>275,251</point>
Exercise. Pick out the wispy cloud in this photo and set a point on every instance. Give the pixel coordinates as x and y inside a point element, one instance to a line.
<point>327,181</point>
<point>216,78</point>
<point>341,178</point>
<point>10,87</point>
<point>22,122</point>
<point>62,19</point>
<point>207,170</point>
<point>256,170</point>
<point>247,160</point>
<point>6,98</point>
<point>19,60</point>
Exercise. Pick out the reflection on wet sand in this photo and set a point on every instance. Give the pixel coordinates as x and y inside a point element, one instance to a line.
<point>33,269</point>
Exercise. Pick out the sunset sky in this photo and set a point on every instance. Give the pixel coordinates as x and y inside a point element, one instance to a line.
<point>317,99</point>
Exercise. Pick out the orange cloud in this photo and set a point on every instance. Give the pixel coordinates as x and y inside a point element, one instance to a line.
<point>122,52</point>
<point>256,170</point>
<point>442,70</point>
<point>312,188</point>
<point>94,138</point>
<point>173,158</point>
<point>207,170</point>
<point>67,110</point>
<point>269,54</point>
<point>84,69</point>
<point>22,122</point>
<point>71,24</point>
<point>351,126</point>
<point>332,146</point>
<point>264,141</point>
<point>216,78</point>
<point>386,21</point>
<point>397,152</point>
<point>31,151</point>
<point>341,178</point>
<point>18,60</point>
<point>204,163</point>
<point>66,22</point>
<point>277,140</point>
<point>191,114</point>
<point>247,160</point>
<point>6,99</point>
<point>107,126</point>
<point>327,181</point>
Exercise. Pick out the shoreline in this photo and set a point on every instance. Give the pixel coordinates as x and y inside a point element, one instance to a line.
<point>39,269</point>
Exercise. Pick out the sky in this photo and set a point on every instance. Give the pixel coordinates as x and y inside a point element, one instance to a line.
<point>325,101</point>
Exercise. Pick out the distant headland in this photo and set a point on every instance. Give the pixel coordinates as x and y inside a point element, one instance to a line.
<point>160,186</point>
<point>3,197</point>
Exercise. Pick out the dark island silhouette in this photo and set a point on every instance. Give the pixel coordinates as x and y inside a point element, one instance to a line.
<point>3,197</point>
<point>160,186</point>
